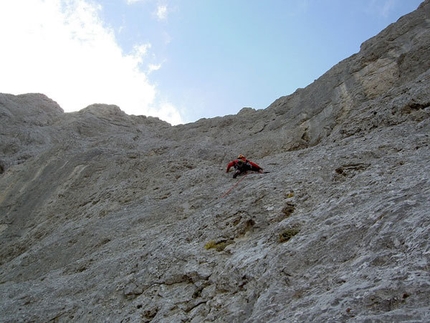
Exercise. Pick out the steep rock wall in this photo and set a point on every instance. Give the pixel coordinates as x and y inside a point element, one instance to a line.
<point>110,217</point>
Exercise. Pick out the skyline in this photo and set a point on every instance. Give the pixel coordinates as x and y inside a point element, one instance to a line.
<point>180,60</point>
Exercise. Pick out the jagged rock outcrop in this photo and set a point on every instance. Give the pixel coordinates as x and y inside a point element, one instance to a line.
<point>110,217</point>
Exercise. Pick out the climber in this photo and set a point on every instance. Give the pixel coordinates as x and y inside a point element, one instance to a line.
<point>242,165</point>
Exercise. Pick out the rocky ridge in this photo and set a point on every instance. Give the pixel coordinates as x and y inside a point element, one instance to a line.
<point>110,217</point>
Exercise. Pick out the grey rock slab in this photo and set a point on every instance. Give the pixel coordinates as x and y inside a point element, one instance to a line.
<point>109,217</point>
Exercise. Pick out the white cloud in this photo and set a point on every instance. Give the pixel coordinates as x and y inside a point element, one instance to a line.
<point>139,51</point>
<point>168,112</point>
<point>63,49</point>
<point>133,1</point>
<point>153,67</point>
<point>161,12</point>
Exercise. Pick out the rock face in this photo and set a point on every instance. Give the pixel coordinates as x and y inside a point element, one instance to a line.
<point>106,217</point>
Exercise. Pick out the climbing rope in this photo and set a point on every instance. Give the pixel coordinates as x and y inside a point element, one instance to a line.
<point>225,194</point>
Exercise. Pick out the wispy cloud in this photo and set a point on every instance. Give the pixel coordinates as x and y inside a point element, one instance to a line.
<point>161,8</point>
<point>153,67</point>
<point>381,8</point>
<point>161,12</point>
<point>387,7</point>
<point>133,1</point>
<point>64,50</point>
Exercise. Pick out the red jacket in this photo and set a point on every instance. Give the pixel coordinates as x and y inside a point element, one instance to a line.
<point>233,163</point>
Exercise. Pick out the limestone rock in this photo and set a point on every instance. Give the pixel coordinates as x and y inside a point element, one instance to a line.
<point>106,217</point>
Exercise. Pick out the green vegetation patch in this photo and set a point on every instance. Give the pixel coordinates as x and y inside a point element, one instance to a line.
<point>287,234</point>
<point>218,246</point>
<point>288,209</point>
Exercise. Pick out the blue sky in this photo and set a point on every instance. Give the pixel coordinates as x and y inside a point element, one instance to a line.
<point>180,60</point>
